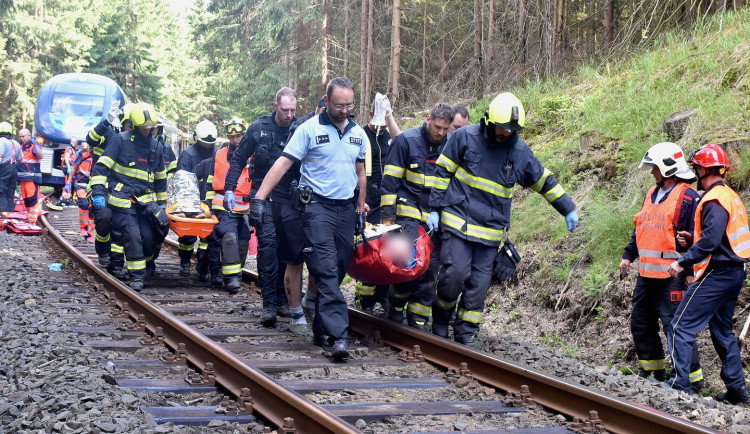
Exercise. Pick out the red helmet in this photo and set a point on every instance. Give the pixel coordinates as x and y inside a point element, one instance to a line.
<point>710,155</point>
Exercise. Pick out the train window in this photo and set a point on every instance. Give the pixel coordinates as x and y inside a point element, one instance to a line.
<point>78,99</point>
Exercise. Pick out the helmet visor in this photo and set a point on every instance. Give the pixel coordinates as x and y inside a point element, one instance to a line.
<point>235,129</point>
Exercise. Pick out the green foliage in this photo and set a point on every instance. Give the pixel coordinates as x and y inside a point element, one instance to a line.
<point>555,341</point>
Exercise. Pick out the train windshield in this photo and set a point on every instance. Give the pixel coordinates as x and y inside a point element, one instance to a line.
<point>85,100</point>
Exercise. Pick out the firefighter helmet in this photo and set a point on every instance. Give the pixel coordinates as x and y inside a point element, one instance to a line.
<point>205,132</point>
<point>506,111</point>
<point>236,127</point>
<point>710,155</point>
<point>126,112</point>
<point>144,115</point>
<point>6,129</point>
<point>670,160</point>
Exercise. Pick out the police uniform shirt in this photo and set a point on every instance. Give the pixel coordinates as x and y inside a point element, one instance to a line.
<point>7,146</point>
<point>328,156</point>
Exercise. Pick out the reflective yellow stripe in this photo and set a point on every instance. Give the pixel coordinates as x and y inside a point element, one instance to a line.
<point>203,244</point>
<point>540,183</point>
<point>137,265</point>
<point>146,198</point>
<point>430,180</point>
<point>696,375</point>
<point>117,248</point>
<point>210,179</point>
<point>441,183</point>
<point>409,211</point>
<point>162,195</point>
<point>446,163</point>
<point>476,231</point>
<point>98,180</point>
<point>394,171</point>
<point>132,173</point>
<point>445,305</point>
<point>120,203</point>
<point>419,309</point>
<point>554,193</point>
<point>414,177</point>
<point>94,135</point>
<point>483,184</point>
<point>363,289</point>
<point>172,165</point>
<point>231,269</point>
<point>472,316</point>
<point>98,151</point>
<point>652,365</point>
<point>388,200</point>
<point>102,239</point>
<point>185,247</point>
<point>107,161</point>
<point>210,195</point>
<point>162,174</point>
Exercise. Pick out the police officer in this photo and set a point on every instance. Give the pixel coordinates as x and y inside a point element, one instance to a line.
<point>205,136</point>
<point>332,149</point>
<point>264,141</point>
<point>9,153</point>
<point>718,256</point>
<point>470,201</point>
<point>379,139</point>
<point>407,182</point>
<point>130,176</point>
<point>667,214</point>
<point>108,243</point>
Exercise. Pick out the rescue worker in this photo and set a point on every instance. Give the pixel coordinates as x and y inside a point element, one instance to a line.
<point>66,163</point>
<point>9,153</point>
<point>379,139</point>
<point>79,175</point>
<point>407,182</point>
<point>661,227</point>
<point>264,141</point>
<point>209,249</point>
<point>717,256</point>
<point>471,200</point>
<point>232,232</point>
<point>108,244</point>
<point>30,174</point>
<point>130,176</point>
<point>205,136</point>
<point>461,119</point>
<point>331,149</point>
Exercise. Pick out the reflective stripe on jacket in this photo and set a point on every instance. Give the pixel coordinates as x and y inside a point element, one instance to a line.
<point>29,166</point>
<point>737,226</point>
<point>655,232</point>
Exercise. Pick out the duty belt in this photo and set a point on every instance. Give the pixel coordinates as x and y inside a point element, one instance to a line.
<point>324,200</point>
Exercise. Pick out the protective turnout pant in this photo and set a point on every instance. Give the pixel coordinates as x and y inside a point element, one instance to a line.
<point>233,234</point>
<point>466,271</point>
<point>185,247</point>
<point>656,300</point>
<point>138,238</point>
<point>329,230</point>
<point>209,255</point>
<point>106,240</point>
<point>272,292</point>
<point>85,222</point>
<point>30,195</point>
<point>419,293</point>
<point>710,300</point>
<point>8,180</point>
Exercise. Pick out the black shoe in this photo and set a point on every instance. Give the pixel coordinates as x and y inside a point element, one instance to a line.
<point>735,395</point>
<point>185,268</point>
<point>104,260</point>
<point>136,285</point>
<point>420,325</point>
<point>368,310</point>
<point>440,329</point>
<point>268,319</point>
<point>470,340</point>
<point>284,311</point>
<point>233,285</point>
<point>321,340</point>
<point>394,315</point>
<point>644,373</point>
<point>118,273</point>
<point>696,386</point>
<point>150,270</point>
<point>340,349</point>
<point>204,277</point>
<point>216,280</point>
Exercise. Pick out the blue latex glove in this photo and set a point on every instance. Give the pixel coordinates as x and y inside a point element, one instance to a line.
<point>99,202</point>
<point>230,200</point>
<point>572,220</point>
<point>67,188</point>
<point>433,221</point>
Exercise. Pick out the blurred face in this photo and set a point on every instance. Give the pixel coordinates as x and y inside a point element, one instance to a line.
<point>285,110</point>
<point>340,104</point>
<point>458,122</point>
<point>437,129</point>
<point>25,136</point>
<point>145,131</point>
<point>502,134</point>
<point>235,140</point>
<point>657,174</point>
<point>74,142</point>
<point>127,126</point>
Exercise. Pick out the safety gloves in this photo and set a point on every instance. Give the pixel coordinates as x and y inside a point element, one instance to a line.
<point>99,202</point>
<point>230,200</point>
<point>113,117</point>
<point>506,260</point>
<point>68,188</point>
<point>572,220</point>
<point>359,222</point>
<point>257,210</point>
<point>433,221</point>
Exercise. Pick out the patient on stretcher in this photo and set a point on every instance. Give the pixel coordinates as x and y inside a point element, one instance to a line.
<point>400,250</point>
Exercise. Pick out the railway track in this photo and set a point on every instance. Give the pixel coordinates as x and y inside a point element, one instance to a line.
<point>179,337</point>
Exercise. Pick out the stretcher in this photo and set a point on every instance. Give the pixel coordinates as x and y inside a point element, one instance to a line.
<point>187,226</point>
<point>20,227</point>
<point>368,264</point>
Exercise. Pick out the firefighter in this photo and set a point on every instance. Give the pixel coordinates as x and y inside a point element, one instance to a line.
<point>205,136</point>
<point>79,175</point>
<point>209,249</point>
<point>471,200</point>
<point>717,256</point>
<point>30,173</point>
<point>130,176</point>
<point>108,244</point>
<point>662,230</point>
<point>232,232</point>
<point>407,181</point>
<point>9,153</point>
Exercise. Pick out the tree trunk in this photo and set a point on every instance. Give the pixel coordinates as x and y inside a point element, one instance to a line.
<point>479,82</point>
<point>548,47</point>
<point>346,38</point>
<point>424,52</point>
<point>609,30</point>
<point>363,49</point>
<point>395,66</point>
<point>490,47</point>
<point>522,30</point>
<point>370,49</point>
<point>326,34</point>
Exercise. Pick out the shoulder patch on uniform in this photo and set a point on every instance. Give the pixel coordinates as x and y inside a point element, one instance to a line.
<point>322,139</point>
<point>264,134</point>
<point>355,140</point>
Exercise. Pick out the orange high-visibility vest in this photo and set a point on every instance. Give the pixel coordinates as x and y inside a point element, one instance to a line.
<point>737,230</point>
<point>242,192</point>
<point>655,231</point>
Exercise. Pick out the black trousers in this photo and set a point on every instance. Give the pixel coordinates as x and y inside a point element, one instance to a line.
<point>270,271</point>
<point>107,238</point>
<point>8,182</point>
<point>233,233</point>
<point>329,230</point>
<point>186,246</point>
<point>138,238</point>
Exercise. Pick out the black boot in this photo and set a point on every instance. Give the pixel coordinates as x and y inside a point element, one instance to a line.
<point>268,319</point>
<point>735,395</point>
<point>340,350</point>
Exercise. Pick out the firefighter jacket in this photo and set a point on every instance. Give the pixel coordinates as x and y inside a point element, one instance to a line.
<point>99,137</point>
<point>409,175</point>
<point>170,160</point>
<point>474,183</point>
<point>218,181</point>
<point>29,166</point>
<point>193,155</point>
<point>131,170</point>
<point>656,226</point>
<point>84,161</point>
<point>736,233</point>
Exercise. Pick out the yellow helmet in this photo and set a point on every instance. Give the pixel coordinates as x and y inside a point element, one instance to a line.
<point>144,115</point>
<point>6,129</point>
<point>126,112</point>
<point>506,111</point>
<point>236,127</point>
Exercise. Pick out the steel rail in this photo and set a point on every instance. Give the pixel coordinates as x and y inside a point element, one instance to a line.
<point>617,415</point>
<point>273,401</point>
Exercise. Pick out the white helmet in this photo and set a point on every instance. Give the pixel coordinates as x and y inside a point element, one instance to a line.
<point>670,160</point>
<point>206,132</point>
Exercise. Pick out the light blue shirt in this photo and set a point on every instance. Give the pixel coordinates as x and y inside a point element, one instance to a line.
<point>328,158</point>
<point>6,149</point>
